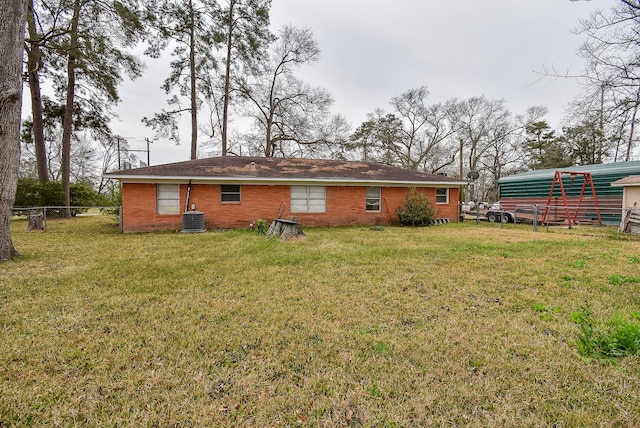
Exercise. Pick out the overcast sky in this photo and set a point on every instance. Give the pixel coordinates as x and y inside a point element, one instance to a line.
<point>373,50</point>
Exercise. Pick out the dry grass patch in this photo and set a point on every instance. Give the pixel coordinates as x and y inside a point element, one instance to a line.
<point>449,325</point>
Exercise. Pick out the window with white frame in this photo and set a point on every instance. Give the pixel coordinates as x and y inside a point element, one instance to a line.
<point>308,199</point>
<point>442,195</point>
<point>168,201</point>
<point>373,199</point>
<point>230,193</point>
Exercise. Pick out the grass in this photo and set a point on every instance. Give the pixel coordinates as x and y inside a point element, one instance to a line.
<point>457,324</point>
<point>618,337</point>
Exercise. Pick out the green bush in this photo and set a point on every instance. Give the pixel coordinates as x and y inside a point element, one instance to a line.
<point>261,227</point>
<point>112,196</point>
<point>417,210</point>
<point>30,193</point>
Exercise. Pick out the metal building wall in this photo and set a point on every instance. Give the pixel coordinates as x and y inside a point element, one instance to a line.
<point>533,187</point>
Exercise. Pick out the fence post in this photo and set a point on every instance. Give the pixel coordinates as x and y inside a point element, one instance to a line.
<point>44,216</point>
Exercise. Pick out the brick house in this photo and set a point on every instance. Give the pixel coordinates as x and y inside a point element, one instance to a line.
<point>234,192</point>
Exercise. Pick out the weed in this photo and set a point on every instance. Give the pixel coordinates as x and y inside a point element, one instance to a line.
<point>261,227</point>
<point>579,264</point>
<point>618,337</point>
<point>322,388</point>
<point>539,307</point>
<point>374,390</point>
<point>566,277</point>
<point>381,347</point>
<point>546,314</point>
<point>617,279</point>
<point>476,363</point>
<point>585,337</point>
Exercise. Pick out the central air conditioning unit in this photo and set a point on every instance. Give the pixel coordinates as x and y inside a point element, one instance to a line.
<point>193,222</point>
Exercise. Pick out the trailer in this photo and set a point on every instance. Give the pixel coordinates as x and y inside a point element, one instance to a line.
<point>496,214</point>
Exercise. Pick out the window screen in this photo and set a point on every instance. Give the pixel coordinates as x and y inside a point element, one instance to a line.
<point>230,193</point>
<point>308,199</point>
<point>442,196</point>
<point>373,199</point>
<point>168,198</point>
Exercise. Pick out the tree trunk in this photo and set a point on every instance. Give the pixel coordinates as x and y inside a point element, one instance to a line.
<point>268,147</point>
<point>627,156</point>
<point>192,72</point>
<point>227,77</point>
<point>67,123</point>
<point>601,129</point>
<point>12,20</point>
<point>33,65</point>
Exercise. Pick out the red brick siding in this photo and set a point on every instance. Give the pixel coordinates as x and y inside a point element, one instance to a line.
<point>345,206</point>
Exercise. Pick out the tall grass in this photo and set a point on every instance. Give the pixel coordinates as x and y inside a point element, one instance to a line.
<point>455,324</point>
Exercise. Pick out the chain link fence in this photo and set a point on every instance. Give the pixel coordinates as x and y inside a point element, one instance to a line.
<point>606,214</point>
<point>37,216</point>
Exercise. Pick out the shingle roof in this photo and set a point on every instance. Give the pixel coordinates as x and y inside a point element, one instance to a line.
<point>257,169</point>
<point>632,180</point>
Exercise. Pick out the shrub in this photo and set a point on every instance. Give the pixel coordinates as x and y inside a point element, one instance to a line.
<point>417,210</point>
<point>261,227</point>
<point>30,193</point>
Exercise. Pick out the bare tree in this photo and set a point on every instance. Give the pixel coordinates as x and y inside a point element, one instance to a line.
<point>415,136</point>
<point>474,119</point>
<point>244,27</point>
<point>12,24</point>
<point>500,154</point>
<point>426,129</point>
<point>291,115</point>
<point>485,128</point>
<point>611,92</point>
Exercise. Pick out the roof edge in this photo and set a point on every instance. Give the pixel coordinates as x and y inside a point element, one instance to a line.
<point>258,180</point>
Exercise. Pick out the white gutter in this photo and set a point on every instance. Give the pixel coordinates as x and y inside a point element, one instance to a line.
<point>124,178</point>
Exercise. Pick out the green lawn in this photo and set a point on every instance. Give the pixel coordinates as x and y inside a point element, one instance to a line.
<point>458,324</point>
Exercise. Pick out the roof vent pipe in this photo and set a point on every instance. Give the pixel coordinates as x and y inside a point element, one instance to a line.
<point>253,166</point>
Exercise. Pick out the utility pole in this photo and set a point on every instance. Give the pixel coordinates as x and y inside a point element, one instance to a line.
<point>461,170</point>
<point>148,152</point>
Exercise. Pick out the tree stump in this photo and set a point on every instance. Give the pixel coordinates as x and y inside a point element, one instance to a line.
<point>34,221</point>
<point>285,229</point>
